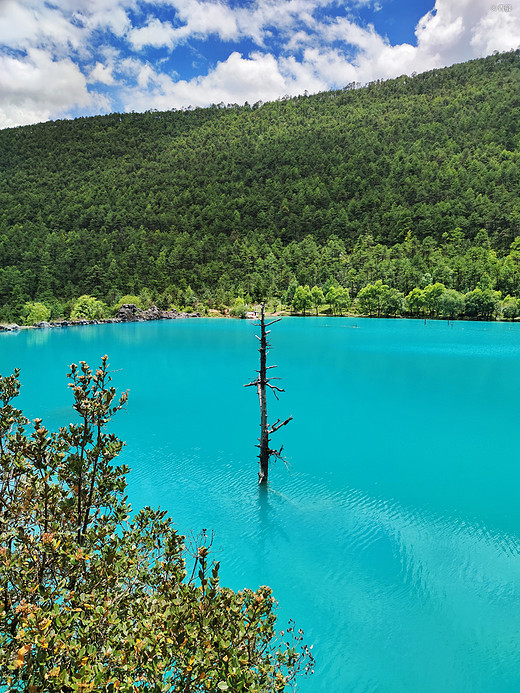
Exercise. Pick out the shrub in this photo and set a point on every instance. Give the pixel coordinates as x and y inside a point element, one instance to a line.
<point>35,313</point>
<point>88,308</point>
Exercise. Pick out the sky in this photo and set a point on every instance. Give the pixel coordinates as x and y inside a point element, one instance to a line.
<point>70,58</point>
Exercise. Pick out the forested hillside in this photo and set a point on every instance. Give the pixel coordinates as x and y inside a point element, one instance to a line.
<point>412,181</point>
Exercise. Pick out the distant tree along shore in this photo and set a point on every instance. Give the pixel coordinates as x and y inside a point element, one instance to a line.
<point>408,184</point>
<point>433,301</point>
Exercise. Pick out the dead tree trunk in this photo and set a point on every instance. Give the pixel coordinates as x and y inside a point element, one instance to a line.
<point>261,383</point>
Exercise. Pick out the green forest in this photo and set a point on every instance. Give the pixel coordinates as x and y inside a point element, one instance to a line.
<point>399,197</point>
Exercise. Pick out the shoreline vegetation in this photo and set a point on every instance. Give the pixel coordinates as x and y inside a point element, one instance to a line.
<point>433,302</point>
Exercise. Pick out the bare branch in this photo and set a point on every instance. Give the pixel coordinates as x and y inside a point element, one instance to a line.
<point>278,425</point>
<point>279,456</point>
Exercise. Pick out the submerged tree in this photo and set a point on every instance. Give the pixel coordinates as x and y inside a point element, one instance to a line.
<point>261,383</point>
<point>95,598</point>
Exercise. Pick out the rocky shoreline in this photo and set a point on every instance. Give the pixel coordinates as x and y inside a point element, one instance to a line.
<point>128,312</point>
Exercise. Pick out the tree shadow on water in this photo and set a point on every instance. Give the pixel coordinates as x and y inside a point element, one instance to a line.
<point>269,524</point>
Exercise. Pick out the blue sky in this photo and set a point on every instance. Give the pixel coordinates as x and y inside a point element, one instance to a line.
<point>65,58</point>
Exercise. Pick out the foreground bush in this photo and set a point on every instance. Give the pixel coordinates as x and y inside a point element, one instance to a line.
<point>93,598</point>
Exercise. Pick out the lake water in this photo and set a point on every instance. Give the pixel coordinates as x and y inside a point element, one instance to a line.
<point>393,539</point>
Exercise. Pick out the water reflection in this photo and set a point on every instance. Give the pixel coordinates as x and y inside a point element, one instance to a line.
<point>38,337</point>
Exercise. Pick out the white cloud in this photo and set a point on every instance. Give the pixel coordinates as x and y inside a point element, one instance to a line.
<point>331,66</point>
<point>147,75</point>
<point>251,77</point>
<point>36,88</point>
<point>258,21</point>
<point>497,30</point>
<point>453,31</point>
<point>155,33</point>
<point>33,24</point>
<point>351,34</point>
<point>458,30</point>
<point>114,19</point>
<point>298,41</point>
<point>49,51</point>
<point>235,80</point>
<point>206,18</point>
<point>195,18</point>
<point>269,16</point>
<point>18,25</point>
<point>442,30</point>
<point>102,73</point>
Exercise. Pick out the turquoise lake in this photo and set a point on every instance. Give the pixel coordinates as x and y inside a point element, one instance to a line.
<point>393,539</point>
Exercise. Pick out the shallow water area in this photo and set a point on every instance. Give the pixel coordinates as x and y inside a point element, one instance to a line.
<point>392,539</point>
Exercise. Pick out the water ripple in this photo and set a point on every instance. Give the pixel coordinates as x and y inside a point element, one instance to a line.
<point>390,552</point>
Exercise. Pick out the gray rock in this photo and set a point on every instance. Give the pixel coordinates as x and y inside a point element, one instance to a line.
<point>153,313</point>
<point>128,313</point>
